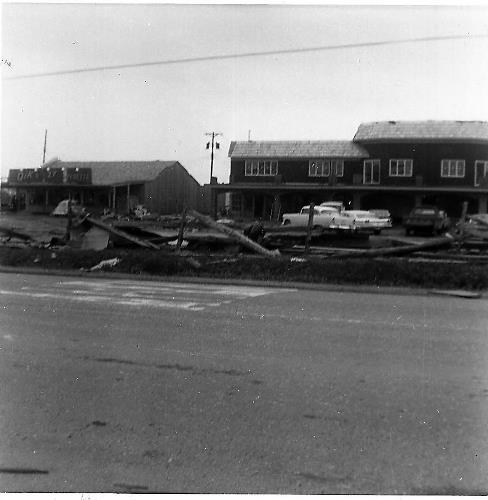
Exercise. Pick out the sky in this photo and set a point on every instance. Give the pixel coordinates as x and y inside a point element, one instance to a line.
<point>163,112</point>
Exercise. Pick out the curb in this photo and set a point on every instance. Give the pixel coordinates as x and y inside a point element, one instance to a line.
<point>325,287</point>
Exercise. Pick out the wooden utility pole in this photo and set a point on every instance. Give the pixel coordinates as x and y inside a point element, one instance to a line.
<point>309,227</point>
<point>211,144</point>
<point>45,143</point>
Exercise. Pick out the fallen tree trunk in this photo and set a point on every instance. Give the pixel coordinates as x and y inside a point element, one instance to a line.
<point>12,233</point>
<point>235,235</point>
<point>444,241</point>
<point>121,234</point>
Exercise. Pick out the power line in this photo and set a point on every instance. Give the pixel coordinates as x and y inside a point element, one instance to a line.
<point>250,54</point>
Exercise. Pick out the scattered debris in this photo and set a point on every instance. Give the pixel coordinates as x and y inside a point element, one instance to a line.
<point>98,423</point>
<point>22,470</point>
<point>457,293</point>
<point>105,263</point>
<point>12,233</point>
<point>121,234</point>
<point>237,236</point>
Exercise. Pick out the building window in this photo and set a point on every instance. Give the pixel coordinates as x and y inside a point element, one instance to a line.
<point>452,168</point>
<point>371,172</point>
<point>401,168</point>
<point>261,168</point>
<point>480,171</point>
<point>325,168</point>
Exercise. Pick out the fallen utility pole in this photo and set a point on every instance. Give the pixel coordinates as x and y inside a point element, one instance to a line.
<point>235,235</point>
<point>442,242</point>
<point>121,234</point>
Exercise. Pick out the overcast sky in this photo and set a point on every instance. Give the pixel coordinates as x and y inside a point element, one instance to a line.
<point>163,111</point>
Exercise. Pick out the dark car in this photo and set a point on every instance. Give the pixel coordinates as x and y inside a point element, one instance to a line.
<point>426,219</point>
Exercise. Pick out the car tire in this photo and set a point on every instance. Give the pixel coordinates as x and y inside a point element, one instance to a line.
<point>286,222</point>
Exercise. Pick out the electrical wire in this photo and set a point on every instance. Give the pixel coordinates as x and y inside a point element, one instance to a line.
<point>248,54</point>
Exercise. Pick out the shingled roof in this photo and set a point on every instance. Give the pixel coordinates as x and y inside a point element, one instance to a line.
<point>106,173</point>
<point>296,149</point>
<point>425,131</point>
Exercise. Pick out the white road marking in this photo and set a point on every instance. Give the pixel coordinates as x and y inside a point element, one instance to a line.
<point>127,293</point>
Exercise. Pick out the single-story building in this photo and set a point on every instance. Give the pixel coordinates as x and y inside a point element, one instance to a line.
<point>163,187</point>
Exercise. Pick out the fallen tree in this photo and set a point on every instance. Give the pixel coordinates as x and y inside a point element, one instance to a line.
<point>121,234</point>
<point>442,242</point>
<point>235,235</point>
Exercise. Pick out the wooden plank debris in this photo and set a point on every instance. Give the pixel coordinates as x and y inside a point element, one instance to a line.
<point>465,294</point>
<point>237,236</point>
<point>12,233</point>
<point>441,242</point>
<point>122,234</point>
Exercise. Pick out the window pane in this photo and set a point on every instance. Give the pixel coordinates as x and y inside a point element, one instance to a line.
<point>339,168</point>
<point>401,168</point>
<point>248,170</point>
<point>274,168</point>
<point>326,169</point>
<point>254,168</point>
<point>460,169</point>
<point>444,168</point>
<point>409,168</point>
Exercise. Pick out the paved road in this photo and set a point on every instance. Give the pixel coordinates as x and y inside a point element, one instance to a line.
<point>133,386</point>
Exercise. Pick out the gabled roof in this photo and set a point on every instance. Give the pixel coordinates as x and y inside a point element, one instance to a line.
<point>422,131</point>
<point>118,172</point>
<point>296,149</point>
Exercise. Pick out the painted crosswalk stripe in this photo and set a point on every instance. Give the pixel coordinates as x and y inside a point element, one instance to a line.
<point>189,297</point>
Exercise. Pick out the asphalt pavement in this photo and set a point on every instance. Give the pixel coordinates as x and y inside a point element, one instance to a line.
<point>144,386</point>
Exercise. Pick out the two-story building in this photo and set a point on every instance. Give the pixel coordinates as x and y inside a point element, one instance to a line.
<point>394,165</point>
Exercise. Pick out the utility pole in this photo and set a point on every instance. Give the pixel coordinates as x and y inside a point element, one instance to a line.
<point>211,144</point>
<point>45,143</point>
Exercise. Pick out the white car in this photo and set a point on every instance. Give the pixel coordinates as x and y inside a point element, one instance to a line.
<point>359,220</point>
<point>322,217</point>
<point>383,215</point>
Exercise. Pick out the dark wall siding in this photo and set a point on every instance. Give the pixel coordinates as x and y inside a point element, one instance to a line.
<point>427,161</point>
<point>426,166</point>
<point>293,171</point>
<point>171,191</point>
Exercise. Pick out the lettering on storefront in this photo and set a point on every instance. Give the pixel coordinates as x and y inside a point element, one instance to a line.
<point>50,176</point>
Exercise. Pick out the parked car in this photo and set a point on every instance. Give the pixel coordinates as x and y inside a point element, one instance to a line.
<point>322,217</point>
<point>359,220</point>
<point>384,215</point>
<point>426,219</point>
